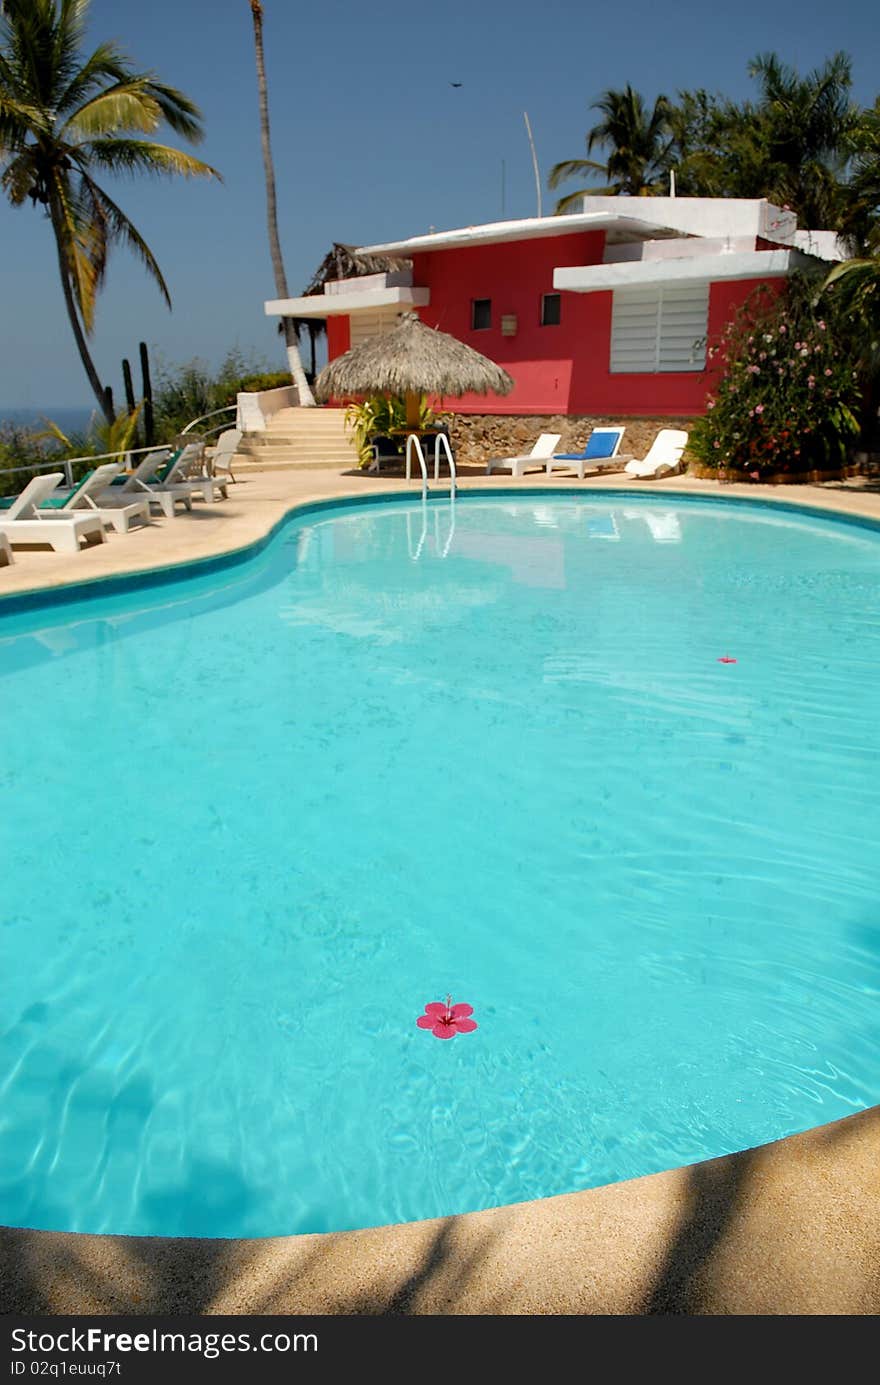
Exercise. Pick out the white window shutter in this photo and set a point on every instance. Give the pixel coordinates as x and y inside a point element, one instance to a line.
<point>659,329</point>
<point>684,317</point>
<point>635,320</point>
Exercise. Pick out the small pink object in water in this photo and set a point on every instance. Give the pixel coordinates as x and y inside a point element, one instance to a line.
<point>445,1021</point>
<point>726,659</point>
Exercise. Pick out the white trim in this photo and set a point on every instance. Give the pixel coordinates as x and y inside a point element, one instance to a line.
<point>494,232</point>
<point>755,264</point>
<point>344,304</point>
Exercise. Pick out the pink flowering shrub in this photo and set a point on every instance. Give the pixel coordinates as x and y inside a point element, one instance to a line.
<point>786,392</point>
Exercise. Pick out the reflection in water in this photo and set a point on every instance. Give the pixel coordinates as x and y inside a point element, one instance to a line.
<point>664,525</point>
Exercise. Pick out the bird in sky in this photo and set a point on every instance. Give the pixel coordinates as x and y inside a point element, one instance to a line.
<point>456,84</point>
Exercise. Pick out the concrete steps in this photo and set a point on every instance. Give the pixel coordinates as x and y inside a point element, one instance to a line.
<point>299,439</point>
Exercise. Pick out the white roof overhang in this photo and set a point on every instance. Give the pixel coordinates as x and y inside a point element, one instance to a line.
<point>754,264</point>
<point>619,228</point>
<point>344,304</point>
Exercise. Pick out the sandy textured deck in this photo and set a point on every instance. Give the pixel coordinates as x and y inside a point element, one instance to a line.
<point>792,1227</point>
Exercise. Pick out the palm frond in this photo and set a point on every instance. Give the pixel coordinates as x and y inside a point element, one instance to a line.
<point>120,228</point>
<point>180,114</point>
<point>572,168</point>
<point>130,156</point>
<point>123,107</point>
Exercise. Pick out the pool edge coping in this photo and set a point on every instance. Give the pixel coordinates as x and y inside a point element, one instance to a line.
<point>789,1227</point>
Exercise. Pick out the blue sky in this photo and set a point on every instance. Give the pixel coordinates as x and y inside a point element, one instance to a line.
<point>371,143</point>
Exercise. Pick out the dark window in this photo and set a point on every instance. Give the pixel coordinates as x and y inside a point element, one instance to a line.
<point>481,314</point>
<point>551,309</point>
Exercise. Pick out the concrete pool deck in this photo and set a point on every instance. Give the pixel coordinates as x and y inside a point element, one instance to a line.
<point>789,1228</point>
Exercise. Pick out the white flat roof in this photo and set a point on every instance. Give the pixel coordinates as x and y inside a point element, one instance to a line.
<point>619,226</point>
<point>753,264</point>
<point>337,304</point>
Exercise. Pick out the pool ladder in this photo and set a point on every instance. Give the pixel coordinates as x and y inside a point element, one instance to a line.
<point>441,444</point>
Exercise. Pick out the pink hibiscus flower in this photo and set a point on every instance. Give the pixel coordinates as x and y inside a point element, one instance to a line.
<point>445,1021</point>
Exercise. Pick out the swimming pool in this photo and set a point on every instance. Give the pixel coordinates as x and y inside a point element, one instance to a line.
<point>255,818</point>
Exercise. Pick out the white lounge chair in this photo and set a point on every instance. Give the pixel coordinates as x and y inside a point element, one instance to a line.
<point>542,449</point>
<point>94,493</point>
<point>142,483</point>
<point>185,473</point>
<point>601,451</point>
<point>24,523</point>
<point>5,550</point>
<point>220,456</point>
<point>663,457</point>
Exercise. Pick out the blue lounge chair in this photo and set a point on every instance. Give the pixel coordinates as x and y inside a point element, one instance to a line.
<point>600,451</point>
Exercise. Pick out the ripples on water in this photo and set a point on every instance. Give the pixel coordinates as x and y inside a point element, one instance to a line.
<point>252,823</point>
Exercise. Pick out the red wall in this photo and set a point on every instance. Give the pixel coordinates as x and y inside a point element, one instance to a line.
<point>338,337</point>
<point>562,369</point>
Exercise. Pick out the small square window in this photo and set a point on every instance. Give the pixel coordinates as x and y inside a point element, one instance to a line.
<point>551,309</point>
<point>481,314</point>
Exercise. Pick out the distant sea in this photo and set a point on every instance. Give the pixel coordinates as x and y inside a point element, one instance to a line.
<point>68,420</point>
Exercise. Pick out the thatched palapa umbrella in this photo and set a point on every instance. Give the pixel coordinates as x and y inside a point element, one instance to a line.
<point>411,360</point>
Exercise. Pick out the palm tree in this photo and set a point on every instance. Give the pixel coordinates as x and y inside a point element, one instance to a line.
<point>638,142</point>
<point>66,117</point>
<point>288,324</point>
<point>808,124</point>
<point>795,144</point>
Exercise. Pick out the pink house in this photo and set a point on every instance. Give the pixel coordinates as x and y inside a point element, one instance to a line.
<point>607,311</point>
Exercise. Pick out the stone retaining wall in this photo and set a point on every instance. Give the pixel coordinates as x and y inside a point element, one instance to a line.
<point>477,437</point>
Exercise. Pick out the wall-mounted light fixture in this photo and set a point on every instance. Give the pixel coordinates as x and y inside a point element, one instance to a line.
<point>508,325</point>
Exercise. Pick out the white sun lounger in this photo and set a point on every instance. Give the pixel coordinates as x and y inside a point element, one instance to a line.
<point>93,494</point>
<point>23,522</point>
<point>600,452</point>
<point>140,485</point>
<point>179,477</point>
<point>542,449</point>
<point>663,457</point>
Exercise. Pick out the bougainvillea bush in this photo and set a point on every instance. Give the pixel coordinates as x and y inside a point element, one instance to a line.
<point>786,393</point>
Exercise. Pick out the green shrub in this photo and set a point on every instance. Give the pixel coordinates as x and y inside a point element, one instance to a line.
<point>189,390</point>
<point>379,415</point>
<point>787,394</point>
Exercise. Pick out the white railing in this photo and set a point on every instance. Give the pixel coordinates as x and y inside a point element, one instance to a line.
<point>215,427</point>
<point>414,447</point>
<point>441,445</point>
<point>66,464</point>
<point>442,438</point>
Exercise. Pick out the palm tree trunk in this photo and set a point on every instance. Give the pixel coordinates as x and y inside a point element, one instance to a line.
<point>79,335</point>
<point>294,359</point>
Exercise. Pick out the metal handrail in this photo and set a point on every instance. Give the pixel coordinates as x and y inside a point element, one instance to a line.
<point>413,445</point>
<point>66,464</point>
<point>442,438</point>
<point>227,409</point>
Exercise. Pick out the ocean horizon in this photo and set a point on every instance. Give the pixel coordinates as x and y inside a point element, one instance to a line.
<point>69,418</point>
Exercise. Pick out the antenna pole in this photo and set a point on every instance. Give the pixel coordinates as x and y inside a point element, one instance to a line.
<point>534,161</point>
<point>503,189</point>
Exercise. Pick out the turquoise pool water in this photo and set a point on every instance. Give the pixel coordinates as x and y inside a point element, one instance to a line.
<point>254,820</point>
